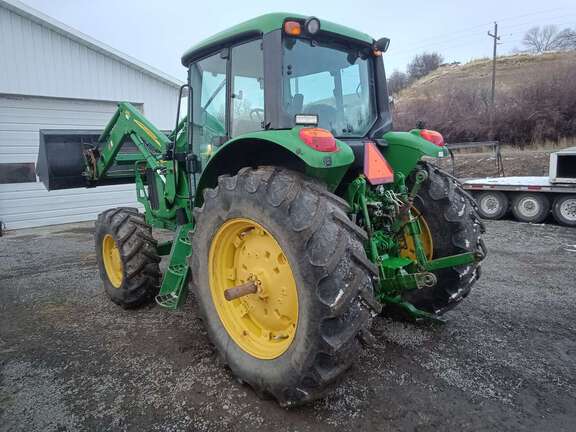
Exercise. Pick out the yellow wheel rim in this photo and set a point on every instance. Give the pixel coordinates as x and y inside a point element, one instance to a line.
<point>407,248</point>
<point>264,323</point>
<point>112,261</point>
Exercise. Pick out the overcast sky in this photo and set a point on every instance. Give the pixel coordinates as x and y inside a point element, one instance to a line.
<point>157,32</point>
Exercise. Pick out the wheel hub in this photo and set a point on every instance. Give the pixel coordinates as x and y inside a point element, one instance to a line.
<point>490,205</point>
<point>264,323</point>
<point>568,209</point>
<point>530,207</point>
<point>112,261</point>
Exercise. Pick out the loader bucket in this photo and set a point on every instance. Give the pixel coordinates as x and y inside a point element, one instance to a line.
<point>61,162</point>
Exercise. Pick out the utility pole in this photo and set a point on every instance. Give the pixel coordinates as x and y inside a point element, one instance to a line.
<point>496,39</point>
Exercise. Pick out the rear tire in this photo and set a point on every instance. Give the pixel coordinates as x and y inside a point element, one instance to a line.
<point>451,215</point>
<point>564,210</point>
<point>332,273</point>
<point>531,207</point>
<point>136,280</point>
<point>492,204</point>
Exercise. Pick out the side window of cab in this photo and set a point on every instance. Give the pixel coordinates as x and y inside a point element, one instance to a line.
<point>208,78</point>
<point>247,98</point>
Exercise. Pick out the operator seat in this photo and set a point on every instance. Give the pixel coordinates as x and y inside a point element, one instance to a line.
<point>296,104</point>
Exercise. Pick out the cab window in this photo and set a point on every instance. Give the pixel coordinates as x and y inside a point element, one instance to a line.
<point>208,78</point>
<point>247,97</point>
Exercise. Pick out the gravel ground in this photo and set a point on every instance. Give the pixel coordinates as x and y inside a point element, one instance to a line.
<point>72,360</point>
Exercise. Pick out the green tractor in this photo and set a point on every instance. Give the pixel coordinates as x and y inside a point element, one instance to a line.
<point>299,215</point>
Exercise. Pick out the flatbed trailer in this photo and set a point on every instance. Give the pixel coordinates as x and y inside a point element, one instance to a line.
<point>531,199</point>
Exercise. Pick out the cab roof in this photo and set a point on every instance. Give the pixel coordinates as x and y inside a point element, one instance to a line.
<point>262,25</point>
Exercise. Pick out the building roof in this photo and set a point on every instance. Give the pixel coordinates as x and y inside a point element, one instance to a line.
<point>265,24</point>
<point>55,25</point>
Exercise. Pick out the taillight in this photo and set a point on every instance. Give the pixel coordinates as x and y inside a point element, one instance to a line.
<point>319,139</point>
<point>376,168</point>
<point>432,136</point>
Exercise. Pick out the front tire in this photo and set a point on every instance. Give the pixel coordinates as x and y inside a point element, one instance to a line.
<point>127,257</point>
<point>332,279</point>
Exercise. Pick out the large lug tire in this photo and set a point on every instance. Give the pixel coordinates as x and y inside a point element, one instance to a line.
<point>452,218</point>
<point>127,257</point>
<point>531,207</point>
<point>564,210</point>
<point>492,204</point>
<point>333,279</point>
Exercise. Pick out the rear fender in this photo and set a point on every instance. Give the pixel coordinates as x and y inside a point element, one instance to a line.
<point>281,148</point>
<point>406,149</point>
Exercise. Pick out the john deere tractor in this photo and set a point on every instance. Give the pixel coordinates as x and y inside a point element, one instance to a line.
<point>298,213</point>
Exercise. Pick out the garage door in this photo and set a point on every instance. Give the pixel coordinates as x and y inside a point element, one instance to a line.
<point>24,202</point>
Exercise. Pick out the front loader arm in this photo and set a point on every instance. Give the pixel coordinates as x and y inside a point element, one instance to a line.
<point>166,175</point>
<point>127,123</point>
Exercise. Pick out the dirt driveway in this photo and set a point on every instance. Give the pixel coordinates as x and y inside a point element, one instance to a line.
<point>71,360</point>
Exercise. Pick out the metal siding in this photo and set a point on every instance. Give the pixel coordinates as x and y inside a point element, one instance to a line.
<point>24,205</point>
<point>79,83</point>
<point>39,61</point>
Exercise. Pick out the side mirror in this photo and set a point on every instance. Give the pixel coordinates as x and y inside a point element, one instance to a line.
<point>382,44</point>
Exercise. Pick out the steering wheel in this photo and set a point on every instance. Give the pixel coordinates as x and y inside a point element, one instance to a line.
<point>257,112</point>
<point>358,91</point>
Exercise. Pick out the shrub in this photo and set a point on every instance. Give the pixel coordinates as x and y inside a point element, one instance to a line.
<point>543,109</point>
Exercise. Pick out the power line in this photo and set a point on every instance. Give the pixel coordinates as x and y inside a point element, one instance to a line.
<point>458,43</point>
<point>433,40</point>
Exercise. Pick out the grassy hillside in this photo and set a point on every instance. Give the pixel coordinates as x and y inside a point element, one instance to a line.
<point>535,100</point>
<point>512,71</point>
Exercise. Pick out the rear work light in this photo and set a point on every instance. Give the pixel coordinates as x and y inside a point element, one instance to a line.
<point>433,136</point>
<point>312,25</point>
<point>376,168</point>
<point>319,139</point>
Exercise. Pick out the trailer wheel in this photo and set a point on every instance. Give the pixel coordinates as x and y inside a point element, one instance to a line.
<point>531,207</point>
<point>564,210</point>
<point>127,257</point>
<point>450,217</point>
<point>302,325</point>
<point>492,204</point>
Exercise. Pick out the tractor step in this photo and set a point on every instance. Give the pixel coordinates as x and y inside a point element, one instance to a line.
<point>174,283</point>
<point>168,301</point>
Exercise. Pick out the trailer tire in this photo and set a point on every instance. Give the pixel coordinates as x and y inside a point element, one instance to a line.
<point>127,257</point>
<point>564,210</point>
<point>332,280</point>
<point>531,207</point>
<point>492,204</point>
<point>455,226</point>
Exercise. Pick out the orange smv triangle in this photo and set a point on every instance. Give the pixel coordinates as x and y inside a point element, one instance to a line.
<point>376,167</point>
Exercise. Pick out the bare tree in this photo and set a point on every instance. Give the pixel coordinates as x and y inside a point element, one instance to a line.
<point>397,81</point>
<point>549,38</point>
<point>423,64</point>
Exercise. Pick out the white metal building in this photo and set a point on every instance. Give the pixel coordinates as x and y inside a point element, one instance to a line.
<point>54,77</point>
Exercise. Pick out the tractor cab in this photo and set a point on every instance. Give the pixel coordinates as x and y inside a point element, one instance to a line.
<point>280,71</point>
